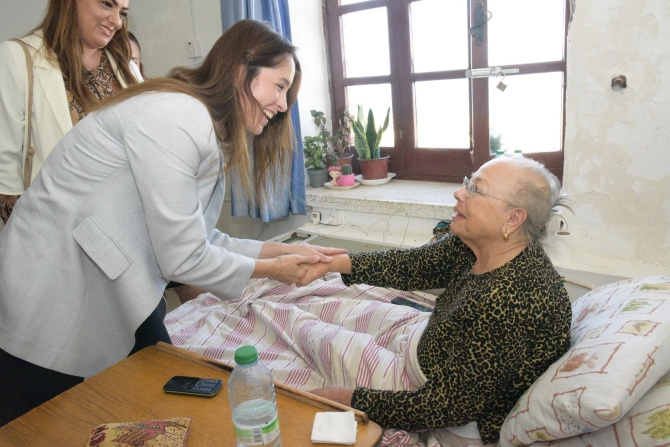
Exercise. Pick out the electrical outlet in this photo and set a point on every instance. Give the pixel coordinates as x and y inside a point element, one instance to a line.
<point>330,216</point>
<point>193,49</point>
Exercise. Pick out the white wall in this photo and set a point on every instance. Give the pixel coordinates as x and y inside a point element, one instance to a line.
<point>163,27</point>
<point>19,17</point>
<point>617,144</point>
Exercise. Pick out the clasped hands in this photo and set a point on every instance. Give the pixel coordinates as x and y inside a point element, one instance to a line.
<point>300,264</point>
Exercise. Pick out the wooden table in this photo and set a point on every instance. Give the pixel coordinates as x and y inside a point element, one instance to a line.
<point>131,391</point>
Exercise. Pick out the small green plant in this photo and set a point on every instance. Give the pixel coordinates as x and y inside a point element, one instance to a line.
<point>346,170</point>
<point>495,142</point>
<point>315,153</point>
<point>333,160</point>
<point>366,137</point>
<point>340,140</point>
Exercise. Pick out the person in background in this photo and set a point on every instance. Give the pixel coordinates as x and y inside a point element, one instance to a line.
<point>129,201</point>
<point>502,320</point>
<point>80,56</point>
<point>136,53</point>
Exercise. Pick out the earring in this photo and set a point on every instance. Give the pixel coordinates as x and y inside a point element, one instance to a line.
<point>505,237</point>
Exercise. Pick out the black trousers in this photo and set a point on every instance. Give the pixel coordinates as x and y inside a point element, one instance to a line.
<point>24,386</point>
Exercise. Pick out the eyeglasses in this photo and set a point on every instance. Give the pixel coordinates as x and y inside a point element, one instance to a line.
<point>471,189</point>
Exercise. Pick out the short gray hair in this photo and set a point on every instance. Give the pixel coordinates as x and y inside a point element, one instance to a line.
<point>539,192</point>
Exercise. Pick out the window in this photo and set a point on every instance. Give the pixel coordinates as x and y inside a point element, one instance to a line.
<point>454,97</point>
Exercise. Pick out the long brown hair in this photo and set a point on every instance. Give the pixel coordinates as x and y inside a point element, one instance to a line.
<point>60,28</point>
<point>251,45</point>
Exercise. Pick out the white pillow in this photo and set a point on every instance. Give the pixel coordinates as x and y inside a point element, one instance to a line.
<point>620,349</point>
<point>645,425</point>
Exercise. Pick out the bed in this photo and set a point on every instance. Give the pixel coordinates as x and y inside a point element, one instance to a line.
<point>612,385</point>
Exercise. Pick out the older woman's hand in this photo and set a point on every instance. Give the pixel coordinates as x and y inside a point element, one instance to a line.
<point>312,272</point>
<point>274,249</point>
<point>341,394</point>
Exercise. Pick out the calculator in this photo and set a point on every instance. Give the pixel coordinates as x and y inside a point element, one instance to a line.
<point>194,386</point>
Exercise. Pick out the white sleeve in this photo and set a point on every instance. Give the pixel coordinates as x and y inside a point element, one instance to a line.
<point>13,76</point>
<point>172,143</point>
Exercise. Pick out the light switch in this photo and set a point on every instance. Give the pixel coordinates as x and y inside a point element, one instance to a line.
<point>193,49</point>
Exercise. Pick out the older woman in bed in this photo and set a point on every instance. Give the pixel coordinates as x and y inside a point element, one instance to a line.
<point>502,320</point>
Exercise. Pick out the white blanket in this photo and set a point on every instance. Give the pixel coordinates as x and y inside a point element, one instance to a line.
<point>314,336</point>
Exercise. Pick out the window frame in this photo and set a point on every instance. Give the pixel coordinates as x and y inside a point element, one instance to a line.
<point>407,161</point>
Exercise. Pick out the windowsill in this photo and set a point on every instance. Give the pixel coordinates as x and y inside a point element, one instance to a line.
<point>430,200</point>
<point>400,213</point>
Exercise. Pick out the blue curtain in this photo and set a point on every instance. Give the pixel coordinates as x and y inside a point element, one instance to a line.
<point>281,200</point>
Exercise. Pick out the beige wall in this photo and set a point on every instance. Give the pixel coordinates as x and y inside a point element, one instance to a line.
<point>617,144</point>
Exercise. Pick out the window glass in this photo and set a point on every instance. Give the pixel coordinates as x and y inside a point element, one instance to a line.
<point>521,31</point>
<point>528,115</point>
<point>376,97</point>
<point>365,42</point>
<point>442,114</point>
<point>439,35</point>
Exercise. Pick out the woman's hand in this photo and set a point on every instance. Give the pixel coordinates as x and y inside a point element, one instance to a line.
<point>340,263</point>
<point>313,272</point>
<point>274,249</point>
<point>341,394</point>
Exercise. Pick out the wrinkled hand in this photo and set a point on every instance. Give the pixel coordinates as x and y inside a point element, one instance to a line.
<point>312,272</point>
<point>341,394</point>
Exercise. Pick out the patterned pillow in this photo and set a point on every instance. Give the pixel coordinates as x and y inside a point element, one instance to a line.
<point>645,425</point>
<point>620,349</point>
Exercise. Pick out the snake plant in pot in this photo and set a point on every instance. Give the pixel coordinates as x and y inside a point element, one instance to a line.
<point>367,139</point>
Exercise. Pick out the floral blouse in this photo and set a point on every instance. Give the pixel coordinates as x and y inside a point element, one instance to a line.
<point>101,81</point>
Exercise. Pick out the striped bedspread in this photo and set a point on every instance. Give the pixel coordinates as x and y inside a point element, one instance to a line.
<point>314,336</point>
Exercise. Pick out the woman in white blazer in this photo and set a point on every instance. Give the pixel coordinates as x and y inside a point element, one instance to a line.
<point>128,200</point>
<point>80,55</point>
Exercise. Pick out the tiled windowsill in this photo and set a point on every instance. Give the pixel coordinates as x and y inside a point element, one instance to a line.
<point>400,213</point>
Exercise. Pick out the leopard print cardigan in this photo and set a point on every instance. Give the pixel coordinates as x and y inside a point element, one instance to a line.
<point>490,336</point>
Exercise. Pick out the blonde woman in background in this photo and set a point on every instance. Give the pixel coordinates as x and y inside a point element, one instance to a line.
<point>80,56</point>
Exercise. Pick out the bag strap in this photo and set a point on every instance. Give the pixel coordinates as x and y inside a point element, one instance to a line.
<point>30,151</point>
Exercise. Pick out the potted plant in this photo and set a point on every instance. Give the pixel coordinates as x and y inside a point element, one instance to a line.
<point>339,141</point>
<point>334,170</point>
<point>315,161</point>
<point>347,178</point>
<point>367,140</point>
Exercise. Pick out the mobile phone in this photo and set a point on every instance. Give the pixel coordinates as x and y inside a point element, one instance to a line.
<point>194,386</point>
<point>405,302</point>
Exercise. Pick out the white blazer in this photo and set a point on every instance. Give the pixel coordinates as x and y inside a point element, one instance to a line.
<point>127,201</point>
<point>50,114</point>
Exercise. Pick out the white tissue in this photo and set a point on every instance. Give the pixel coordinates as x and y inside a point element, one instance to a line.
<point>334,428</point>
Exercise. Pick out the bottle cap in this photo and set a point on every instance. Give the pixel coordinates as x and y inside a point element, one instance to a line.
<point>245,355</point>
<point>517,151</point>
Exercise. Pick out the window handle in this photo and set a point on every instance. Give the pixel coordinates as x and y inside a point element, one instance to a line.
<point>489,72</point>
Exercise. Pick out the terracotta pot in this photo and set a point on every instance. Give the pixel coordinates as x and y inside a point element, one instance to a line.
<point>347,180</point>
<point>346,160</point>
<point>374,169</point>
